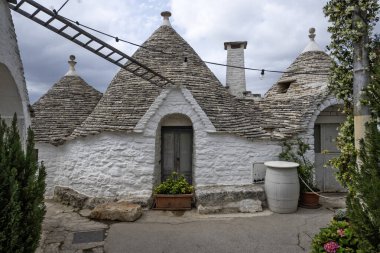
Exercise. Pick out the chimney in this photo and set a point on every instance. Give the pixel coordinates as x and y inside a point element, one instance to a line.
<point>235,80</point>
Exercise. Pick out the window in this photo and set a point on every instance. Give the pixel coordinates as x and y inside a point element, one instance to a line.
<point>283,87</point>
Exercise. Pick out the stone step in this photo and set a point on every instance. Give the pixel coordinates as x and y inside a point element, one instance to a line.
<point>230,198</point>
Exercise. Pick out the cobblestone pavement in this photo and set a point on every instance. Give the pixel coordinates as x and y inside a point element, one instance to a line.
<point>62,224</point>
<point>68,231</point>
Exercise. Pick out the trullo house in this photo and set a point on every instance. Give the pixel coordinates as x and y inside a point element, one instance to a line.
<point>124,142</point>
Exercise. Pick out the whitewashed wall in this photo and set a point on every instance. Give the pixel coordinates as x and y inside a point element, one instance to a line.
<point>126,164</point>
<point>109,165</point>
<point>13,94</point>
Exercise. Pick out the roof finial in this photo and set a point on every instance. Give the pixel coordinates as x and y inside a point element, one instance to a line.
<point>72,63</point>
<point>166,15</point>
<point>312,33</point>
<point>312,46</point>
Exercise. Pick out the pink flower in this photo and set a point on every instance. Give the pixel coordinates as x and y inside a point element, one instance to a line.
<point>340,232</point>
<point>331,247</point>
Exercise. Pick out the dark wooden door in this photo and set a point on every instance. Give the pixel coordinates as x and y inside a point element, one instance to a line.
<point>325,150</point>
<point>177,151</point>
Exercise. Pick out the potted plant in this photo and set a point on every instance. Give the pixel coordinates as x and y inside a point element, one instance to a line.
<point>309,197</point>
<point>174,194</point>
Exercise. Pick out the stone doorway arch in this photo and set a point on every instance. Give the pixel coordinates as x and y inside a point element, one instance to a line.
<point>10,99</point>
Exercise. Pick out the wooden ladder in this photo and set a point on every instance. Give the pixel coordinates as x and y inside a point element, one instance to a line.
<point>71,31</point>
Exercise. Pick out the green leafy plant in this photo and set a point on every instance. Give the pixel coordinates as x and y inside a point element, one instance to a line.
<point>175,184</point>
<point>295,151</point>
<point>362,180</point>
<point>337,237</point>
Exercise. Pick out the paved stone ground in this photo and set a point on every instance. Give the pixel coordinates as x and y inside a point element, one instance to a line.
<point>60,224</point>
<point>159,231</point>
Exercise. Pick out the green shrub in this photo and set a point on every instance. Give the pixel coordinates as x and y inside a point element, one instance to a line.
<point>296,152</point>
<point>337,237</point>
<point>22,187</point>
<point>175,184</point>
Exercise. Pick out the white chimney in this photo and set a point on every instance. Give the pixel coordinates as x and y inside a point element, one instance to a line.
<point>235,80</point>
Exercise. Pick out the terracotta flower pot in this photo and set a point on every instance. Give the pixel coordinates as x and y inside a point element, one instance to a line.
<point>309,200</point>
<point>173,201</point>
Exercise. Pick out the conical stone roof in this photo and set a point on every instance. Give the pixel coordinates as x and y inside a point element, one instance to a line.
<point>310,67</point>
<point>290,103</point>
<point>63,108</point>
<point>128,97</point>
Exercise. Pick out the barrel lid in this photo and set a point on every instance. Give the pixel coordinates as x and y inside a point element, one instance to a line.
<point>281,164</point>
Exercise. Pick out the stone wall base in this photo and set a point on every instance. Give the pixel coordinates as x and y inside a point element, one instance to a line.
<point>230,199</point>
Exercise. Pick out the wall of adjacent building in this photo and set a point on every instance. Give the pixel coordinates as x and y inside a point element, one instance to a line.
<point>13,95</point>
<point>127,164</point>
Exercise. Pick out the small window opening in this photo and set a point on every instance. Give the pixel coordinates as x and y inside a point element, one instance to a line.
<point>283,87</point>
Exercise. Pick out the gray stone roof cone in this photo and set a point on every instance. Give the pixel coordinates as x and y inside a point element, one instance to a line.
<point>63,107</point>
<point>128,97</point>
<point>292,100</point>
<point>311,66</point>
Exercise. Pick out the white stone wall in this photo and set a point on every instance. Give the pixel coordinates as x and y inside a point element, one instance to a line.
<point>105,165</point>
<point>222,159</point>
<point>126,164</point>
<point>10,58</point>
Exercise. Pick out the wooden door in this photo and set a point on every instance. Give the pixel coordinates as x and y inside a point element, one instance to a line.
<point>177,152</point>
<point>326,149</point>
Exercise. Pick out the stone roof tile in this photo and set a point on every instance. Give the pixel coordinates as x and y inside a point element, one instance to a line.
<point>62,109</point>
<point>128,97</point>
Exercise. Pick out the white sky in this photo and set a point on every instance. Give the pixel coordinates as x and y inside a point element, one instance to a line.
<point>276,31</point>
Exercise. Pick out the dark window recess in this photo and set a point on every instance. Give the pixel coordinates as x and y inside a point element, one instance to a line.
<point>317,138</point>
<point>235,46</point>
<point>36,154</point>
<point>283,87</point>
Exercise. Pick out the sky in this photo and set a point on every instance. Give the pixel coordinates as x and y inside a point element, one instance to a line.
<point>276,32</point>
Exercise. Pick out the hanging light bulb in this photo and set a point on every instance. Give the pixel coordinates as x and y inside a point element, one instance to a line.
<point>262,74</point>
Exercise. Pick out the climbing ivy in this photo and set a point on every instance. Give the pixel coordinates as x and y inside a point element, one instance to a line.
<point>362,181</point>
<point>344,33</point>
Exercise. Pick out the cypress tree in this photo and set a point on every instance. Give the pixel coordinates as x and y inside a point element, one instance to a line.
<point>22,187</point>
<point>363,204</point>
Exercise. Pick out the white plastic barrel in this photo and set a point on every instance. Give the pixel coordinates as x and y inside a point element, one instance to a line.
<point>282,187</point>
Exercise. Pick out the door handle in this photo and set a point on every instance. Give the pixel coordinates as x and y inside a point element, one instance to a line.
<point>177,164</point>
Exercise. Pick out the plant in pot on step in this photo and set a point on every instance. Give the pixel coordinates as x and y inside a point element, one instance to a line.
<point>173,194</point>
<point>296,152</point>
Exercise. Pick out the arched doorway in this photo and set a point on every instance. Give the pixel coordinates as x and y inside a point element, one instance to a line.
<point>176,146</point>
<point>10,100</point>
<point>326,130</point>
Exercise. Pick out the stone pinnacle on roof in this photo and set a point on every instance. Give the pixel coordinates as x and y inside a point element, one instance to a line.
<point>72,63</point>
<point>166,15</point>
<point>312,46</point>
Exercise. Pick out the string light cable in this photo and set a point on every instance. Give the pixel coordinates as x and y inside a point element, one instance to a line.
<point>63,5</point>
<point>318,193</point>
<point>261,70</point>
